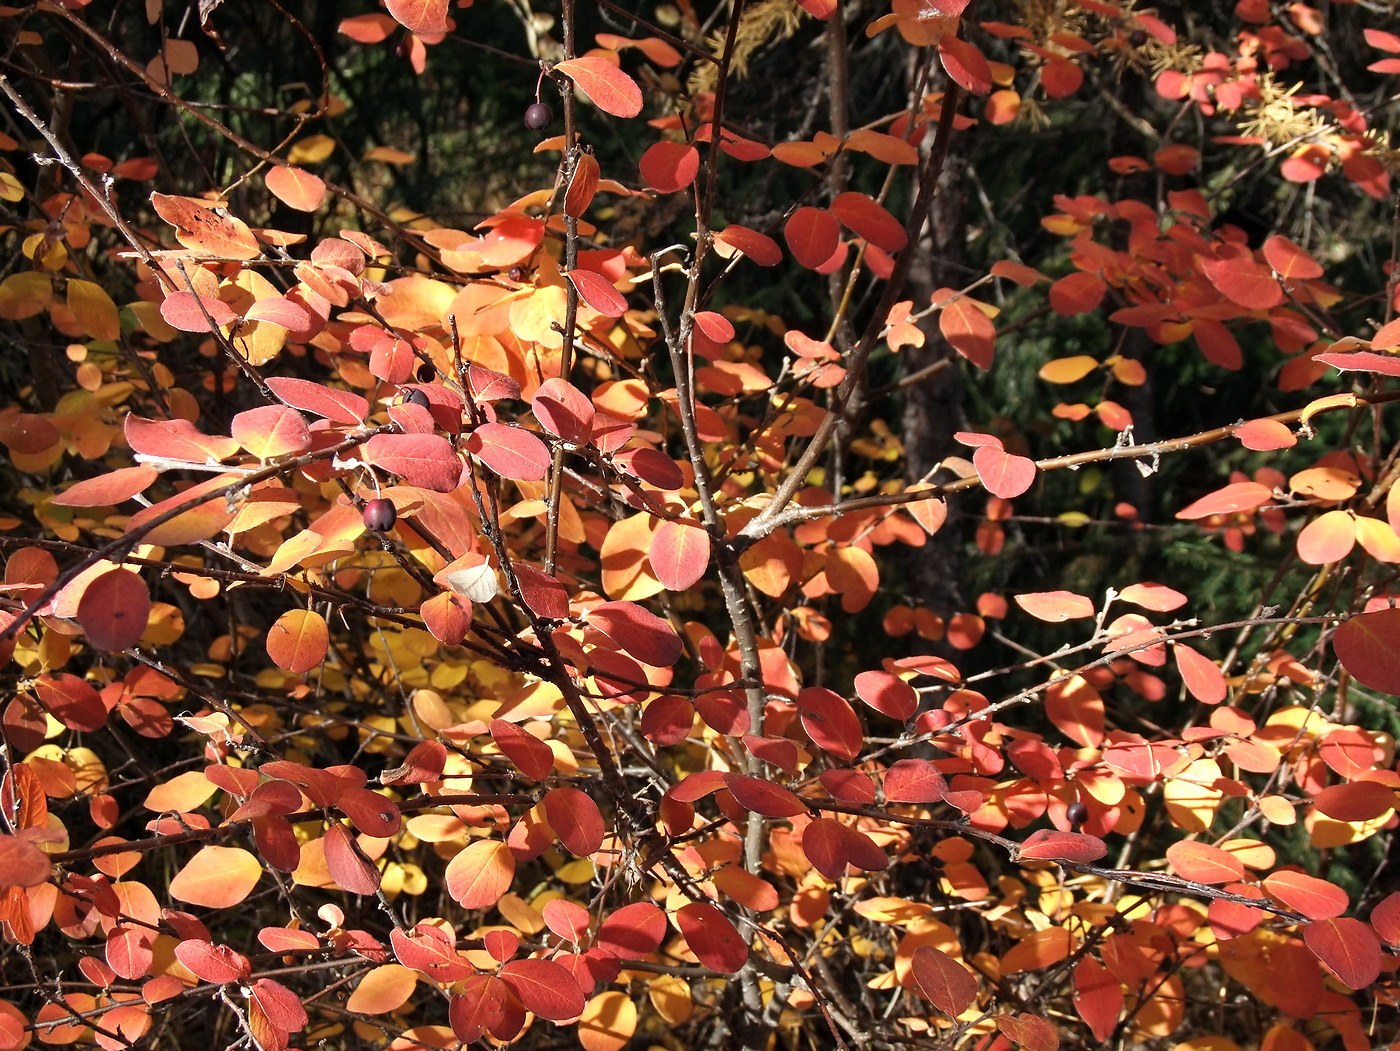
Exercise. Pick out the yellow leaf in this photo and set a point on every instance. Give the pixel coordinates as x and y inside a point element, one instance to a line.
<point>24,295</point>
<point>94,309</point>
<point>311,150</point>
<point>1191,796</point>
<point>11,189</point>
<point>1068,370</point>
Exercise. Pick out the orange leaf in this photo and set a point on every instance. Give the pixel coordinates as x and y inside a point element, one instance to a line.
<point>967,328</point>
<point>1038,950</point>
<point>298,640</point>
<point>607,1022</point>
<point>217,877</point>
<point>609,88</point>
<point>1204,863</point>
<point>385,988</point>
<point>296,188</point>
<point>1203,678</point>
<point>1056,606</point>
<point>478,876</point>
<point>1327,538</point>
<point>869,219</point>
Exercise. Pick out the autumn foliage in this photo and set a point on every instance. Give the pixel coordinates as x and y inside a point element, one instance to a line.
<point>504,625</point>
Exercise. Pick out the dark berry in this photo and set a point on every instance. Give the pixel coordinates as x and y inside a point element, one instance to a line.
<point>517,275</point>
<point>380,515</point>
<point>538,116</point>
<point>1137,38</point>
<point>1077,813</point>
<point>416,397</point>
<point>426,373</point>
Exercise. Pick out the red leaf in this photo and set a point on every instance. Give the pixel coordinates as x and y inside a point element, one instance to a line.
<point>1002,473</point>
<point>812,235</point>
<point>22,863</point>
<point>114,610</point>
<point>1048,844</point>
<point>668,167</point>
<point>212,963</point>
<point>1055,606</point>
<point>350,869</point>
<point>610,89</point>
<point>481,1006</point>
<point>545,988</point>
<point>531,756</point>
<point>1369,648</point>
<point>914,781</point>
<point>652,466</point>
<point>1218,344</point>
<point>1348,948</point>
<point>543,594</point>
<point>887,693</point>
<point>282,1007</point>
<point>425,762</point>
<point>582,186</point>
<point>1290,259</point>
<point>633,932</point>
<point>712,937</point>
<point>425,460</point>
<point>1314,898</point>
<point>1385,918</point>
<point>420,16</point>
<point>1077,293</point>
<point>338,406</point>
<point>831,722</point>
<point>965,64</point>
<point>1355,800</point>
<point>1098,997</point>
<point>510,452</point>
<point>270,431</point>
<point>869,219</point>
<point>763,797</point>
<point>1362,361</point>
<point>564,410</point>
<point>679,553</point>
<point>1234,271</point>
<point>598,292</point>
<point>944,982</point>
<point>72,701</point>
<point>191,313</point>
<point>761,248</point>
<point>107,490</point>
<point>575,819</point>
<point>639,632</point>
<point>1203,678</point>
<point>1029,1031</point>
